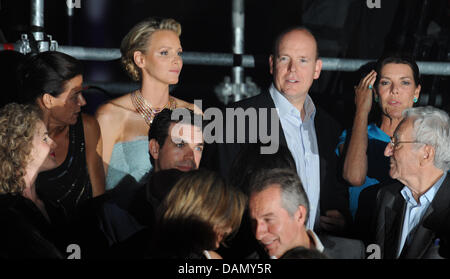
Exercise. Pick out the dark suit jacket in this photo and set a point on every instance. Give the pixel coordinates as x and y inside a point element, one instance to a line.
<point>333,194</point>
<point>391,208</point>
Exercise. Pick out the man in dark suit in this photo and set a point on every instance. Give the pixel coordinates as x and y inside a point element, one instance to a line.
<point>412,213</point>
<point>309,132</point>
<point>279,209</point>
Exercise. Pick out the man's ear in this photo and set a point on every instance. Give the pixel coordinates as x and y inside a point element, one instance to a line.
<point>300,214</point>
<point>271,64</point>
<point>428,155</point>
<point>153,148</point>
<point>46,101</point>
<point>318,68</point>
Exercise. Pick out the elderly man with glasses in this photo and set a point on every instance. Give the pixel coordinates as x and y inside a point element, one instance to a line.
<point>411,213</point>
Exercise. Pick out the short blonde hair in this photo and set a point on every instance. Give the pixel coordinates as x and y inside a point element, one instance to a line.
<point>137,40</point>
<point>203,195</point>
<point>17,129</point>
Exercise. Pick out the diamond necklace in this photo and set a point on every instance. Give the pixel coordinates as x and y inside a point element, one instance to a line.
<point>145,110</point>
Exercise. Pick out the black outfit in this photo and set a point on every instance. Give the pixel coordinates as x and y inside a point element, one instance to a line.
<point>26,233</point>
<point>424,238</point>
<point>185,238</point>
<point>137,202</point>
<point>69,184</point>
<point>127,213</point>
<point>365,215</point>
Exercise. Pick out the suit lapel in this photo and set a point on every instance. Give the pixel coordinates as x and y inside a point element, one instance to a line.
<point>421,239</point>
<point>394,214</point>
<point>320,143</point>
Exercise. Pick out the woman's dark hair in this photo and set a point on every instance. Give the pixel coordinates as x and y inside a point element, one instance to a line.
<point>46,72</point>
<point>397,59</point>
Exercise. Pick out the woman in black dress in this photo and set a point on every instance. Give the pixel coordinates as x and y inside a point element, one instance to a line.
<point>53,80</point>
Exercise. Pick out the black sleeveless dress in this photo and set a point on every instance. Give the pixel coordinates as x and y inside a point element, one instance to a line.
<point>69,184</point>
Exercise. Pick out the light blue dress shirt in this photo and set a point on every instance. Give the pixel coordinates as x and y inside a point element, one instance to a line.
<point>415,211</point>
<point>302,142</point>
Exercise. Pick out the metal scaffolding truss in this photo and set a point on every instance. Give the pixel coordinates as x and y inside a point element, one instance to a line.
<point>226,59</point>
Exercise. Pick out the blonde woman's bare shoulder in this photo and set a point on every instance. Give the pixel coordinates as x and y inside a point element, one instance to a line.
<point>118,107</point>
<point>183,104</point>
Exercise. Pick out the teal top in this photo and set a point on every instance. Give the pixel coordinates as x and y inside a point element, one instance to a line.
<point>128,158</point>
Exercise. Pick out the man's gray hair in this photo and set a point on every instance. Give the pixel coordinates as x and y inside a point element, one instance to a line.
<point>292,192</point>
<point>432,127</point>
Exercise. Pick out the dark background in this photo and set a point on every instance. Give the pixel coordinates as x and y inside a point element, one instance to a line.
<point>344,28</point>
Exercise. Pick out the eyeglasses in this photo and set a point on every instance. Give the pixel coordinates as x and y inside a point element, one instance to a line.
<point>394,143</point>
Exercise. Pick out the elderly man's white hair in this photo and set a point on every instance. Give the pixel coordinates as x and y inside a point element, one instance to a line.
<point>432,127</point>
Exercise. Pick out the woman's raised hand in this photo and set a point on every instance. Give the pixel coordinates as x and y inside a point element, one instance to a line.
<point>363,92</point>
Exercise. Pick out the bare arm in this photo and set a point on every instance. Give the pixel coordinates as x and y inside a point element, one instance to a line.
<point>93,142</point>
<point>355,163</point>
<point>105,119</point>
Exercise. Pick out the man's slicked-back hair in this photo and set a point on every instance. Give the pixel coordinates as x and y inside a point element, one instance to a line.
<point>292,193</point>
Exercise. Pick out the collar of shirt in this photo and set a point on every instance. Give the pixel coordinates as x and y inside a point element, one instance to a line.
<point>206,254</point>
<point>427,197</point>
<point>285,108</point>
<point>317,243</point>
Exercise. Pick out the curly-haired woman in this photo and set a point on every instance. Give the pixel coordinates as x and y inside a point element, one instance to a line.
<point>29,226</point>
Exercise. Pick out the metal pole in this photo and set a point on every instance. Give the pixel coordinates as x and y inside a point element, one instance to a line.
<point>238,18</point>
<point>238,37</point>
<point>70,13</point>
<point>95,54</point>
<point>227,59</point>
<point>37,19</point>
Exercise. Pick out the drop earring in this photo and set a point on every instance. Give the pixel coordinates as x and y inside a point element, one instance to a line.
<point>415,100</point>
